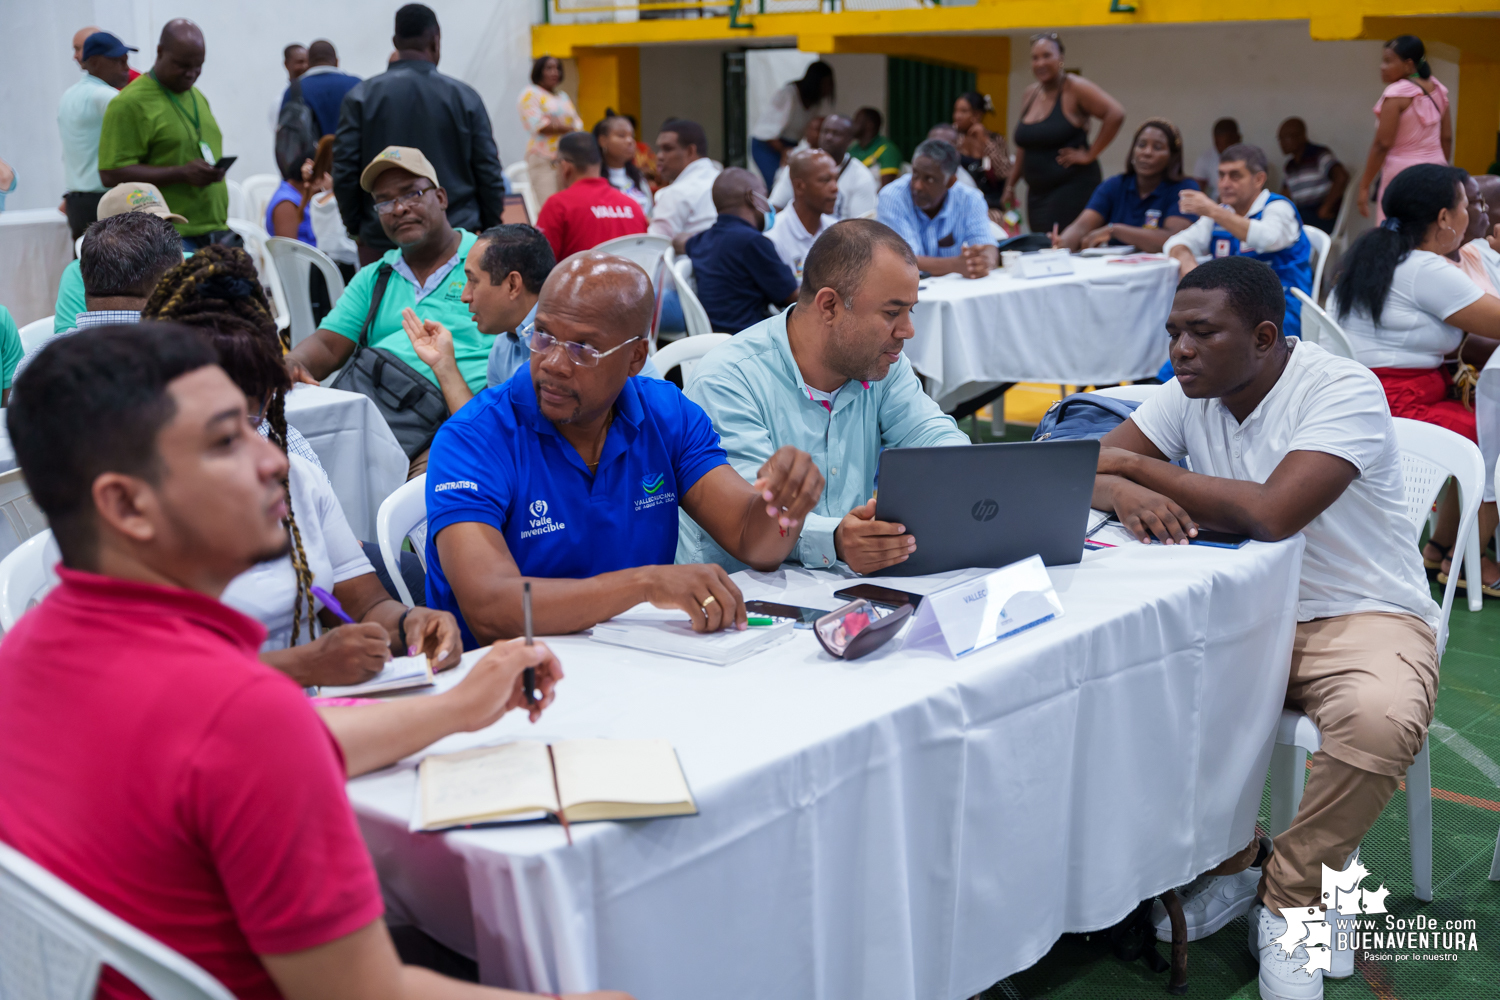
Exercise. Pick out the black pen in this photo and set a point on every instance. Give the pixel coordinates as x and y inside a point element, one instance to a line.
<point>528,676</point>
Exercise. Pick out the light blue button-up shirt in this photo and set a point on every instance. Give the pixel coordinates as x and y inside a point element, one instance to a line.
<point>963,218</point>
<point>80,116</point>
<point>753,391</point>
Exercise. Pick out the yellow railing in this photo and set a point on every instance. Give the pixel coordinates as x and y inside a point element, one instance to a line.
<point>732,10</point>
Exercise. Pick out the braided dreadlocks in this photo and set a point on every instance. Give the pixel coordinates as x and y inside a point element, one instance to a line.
<point>218,291</point>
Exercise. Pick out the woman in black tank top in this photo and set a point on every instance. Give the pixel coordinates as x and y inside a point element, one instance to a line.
<point>1053,153</point>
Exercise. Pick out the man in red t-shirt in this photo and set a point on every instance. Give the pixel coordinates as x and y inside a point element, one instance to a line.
<point>147,757</point>
<point>587,209</point>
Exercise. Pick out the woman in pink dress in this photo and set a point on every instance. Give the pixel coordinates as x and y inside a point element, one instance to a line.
<point>1414,124</point>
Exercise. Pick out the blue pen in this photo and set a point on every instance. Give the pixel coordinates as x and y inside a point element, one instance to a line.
<point>332,604</point>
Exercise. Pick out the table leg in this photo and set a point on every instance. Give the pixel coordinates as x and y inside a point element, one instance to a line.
<point>1177,984</point>
<point>971,406</point>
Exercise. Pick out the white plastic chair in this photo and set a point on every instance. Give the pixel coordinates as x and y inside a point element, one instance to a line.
<point>403,515</point>
<point>258,189</point>
<point>685,353</point>
<point>683,268</point>
<point>518,178</point>
<point>292,259</point>
<point>22,517</point>
<point>238,208</point>
<point>56,940</point>
<point>1319,327</point>
<point>78,248</point>
<point>1321,242</point>
<point>35,333</point>
<point>25,577</point>
<point>256,237</point>
<point>645,249</point>
<point>1429,455</point>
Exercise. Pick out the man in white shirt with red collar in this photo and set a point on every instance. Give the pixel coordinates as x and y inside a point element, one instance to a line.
<point>815,190</point>
<point>1284,437</point>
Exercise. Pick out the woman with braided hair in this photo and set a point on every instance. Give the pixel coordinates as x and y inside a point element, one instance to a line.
<point>218,292</point>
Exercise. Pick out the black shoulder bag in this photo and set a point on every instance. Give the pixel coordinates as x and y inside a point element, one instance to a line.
<point>412,405</point>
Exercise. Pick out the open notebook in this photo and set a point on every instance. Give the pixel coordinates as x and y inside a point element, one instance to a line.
<point>402,673</point>
<point>578,780</point>
<point>670,633</point>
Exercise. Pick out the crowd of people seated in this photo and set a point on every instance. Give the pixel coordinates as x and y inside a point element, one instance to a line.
<point>197,527</point>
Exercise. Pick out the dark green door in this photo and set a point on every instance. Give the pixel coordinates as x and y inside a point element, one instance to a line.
<point>918,96</point>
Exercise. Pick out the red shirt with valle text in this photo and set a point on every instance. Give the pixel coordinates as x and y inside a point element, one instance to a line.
<point>585,214</point>
<point>152,762</point>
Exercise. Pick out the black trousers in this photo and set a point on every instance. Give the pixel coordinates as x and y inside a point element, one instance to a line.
<point>82,208</point>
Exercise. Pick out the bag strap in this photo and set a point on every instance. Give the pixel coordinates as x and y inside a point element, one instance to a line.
<point>382,278</point>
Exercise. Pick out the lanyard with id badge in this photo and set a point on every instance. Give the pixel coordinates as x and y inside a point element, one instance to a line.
<point>195,122</point>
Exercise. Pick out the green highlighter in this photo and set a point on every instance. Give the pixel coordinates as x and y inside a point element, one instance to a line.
<point>759,621</point>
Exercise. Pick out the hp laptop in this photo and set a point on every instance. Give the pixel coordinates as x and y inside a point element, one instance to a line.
<point>988,504</point>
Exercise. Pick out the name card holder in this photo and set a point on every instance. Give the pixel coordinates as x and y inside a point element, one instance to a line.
<point>980,611</point>
<point>1046,263</point>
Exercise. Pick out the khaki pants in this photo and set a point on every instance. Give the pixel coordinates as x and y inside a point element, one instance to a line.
<point>1369,683</point>
<point>543,174</point>
<point>418,464</point>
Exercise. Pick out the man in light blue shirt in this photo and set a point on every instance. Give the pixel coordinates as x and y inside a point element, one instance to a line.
<point>947,227</point>
<point>80,115</point>
<point>828,377</point>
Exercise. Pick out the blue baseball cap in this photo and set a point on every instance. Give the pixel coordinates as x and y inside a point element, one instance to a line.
<point>102,43</point>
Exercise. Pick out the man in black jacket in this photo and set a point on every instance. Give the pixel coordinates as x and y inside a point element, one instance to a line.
<point>412,104</point>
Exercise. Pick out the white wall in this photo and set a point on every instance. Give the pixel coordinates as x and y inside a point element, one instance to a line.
<point>486,43</point>
<point>683,81</point>
<point>1258,73</point>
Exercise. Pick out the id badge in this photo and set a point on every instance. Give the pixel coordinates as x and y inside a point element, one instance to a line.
<point>1221,248</point>
<point>208,154</point>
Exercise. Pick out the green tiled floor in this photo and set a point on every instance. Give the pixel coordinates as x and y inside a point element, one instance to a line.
<point>1465,816</point>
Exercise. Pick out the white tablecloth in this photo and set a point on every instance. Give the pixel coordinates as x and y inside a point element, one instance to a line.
<point>35,246</point>
<point>363,460</point>
<point>1103,324</point>
<point>905,826</point>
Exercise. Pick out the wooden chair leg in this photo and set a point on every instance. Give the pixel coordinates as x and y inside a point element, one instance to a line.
<point>1177,983</point>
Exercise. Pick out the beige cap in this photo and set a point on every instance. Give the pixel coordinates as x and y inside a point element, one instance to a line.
<point>406,158</point>
<point>136,196</point>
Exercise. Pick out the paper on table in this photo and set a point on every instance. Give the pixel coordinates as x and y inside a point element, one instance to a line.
<point>402,673</point>
<point>486,783</point>
<point>620,772</point>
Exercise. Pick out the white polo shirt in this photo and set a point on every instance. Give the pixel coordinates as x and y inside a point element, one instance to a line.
<point>687,204</point>
<point>792,240</point>
<point>1361,552</point>
<point>858,190</point>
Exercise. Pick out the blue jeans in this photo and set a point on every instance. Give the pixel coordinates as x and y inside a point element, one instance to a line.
<point>767,159</point>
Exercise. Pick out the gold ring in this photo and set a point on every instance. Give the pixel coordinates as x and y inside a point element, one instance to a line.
<point>707,601</point>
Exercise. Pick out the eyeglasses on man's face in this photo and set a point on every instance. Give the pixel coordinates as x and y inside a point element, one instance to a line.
<point>409,200</point>
<point>582,355</point>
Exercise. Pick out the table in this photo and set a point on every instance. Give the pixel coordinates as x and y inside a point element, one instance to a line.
<point>362,457</point>
<point>35,245</point>
<point>1102,325</point>
<point>904,826</point>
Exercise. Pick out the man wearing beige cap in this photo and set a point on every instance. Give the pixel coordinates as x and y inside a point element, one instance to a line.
<point>424,273</point>
<point>133,196</point>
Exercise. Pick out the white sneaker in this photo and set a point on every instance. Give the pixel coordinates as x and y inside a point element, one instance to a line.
<point>1342,962</point>
<point>1282,976</point>
<point>1209,902</point>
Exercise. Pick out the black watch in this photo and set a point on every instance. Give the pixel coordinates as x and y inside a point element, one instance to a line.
<point>401,631</point>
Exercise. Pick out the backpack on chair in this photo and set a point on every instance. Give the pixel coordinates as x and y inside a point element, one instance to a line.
<point>1083,416</point>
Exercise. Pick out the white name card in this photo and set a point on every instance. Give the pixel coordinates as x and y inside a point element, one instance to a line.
<point>982,610</point>
<point>1046,263</point>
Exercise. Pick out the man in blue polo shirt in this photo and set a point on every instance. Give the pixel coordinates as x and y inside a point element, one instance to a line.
<point>736,268</point>
<point>947,227</point>
<point>570,476</point>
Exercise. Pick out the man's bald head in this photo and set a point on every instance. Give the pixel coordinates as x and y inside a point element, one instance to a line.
<point>179,55</point>
<point>836,136</point>
<point>606,291</point>
<point>732,187</point>
<point>79,37</point>
<point>807,163</point>
<point>815,181</point>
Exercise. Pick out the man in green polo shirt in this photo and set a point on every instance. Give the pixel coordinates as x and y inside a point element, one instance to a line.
<point>159,130</point>
<point>873,149</point>
<point>427,277</point>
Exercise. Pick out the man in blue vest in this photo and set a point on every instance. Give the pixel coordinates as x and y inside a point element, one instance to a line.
<point>1249,221</point>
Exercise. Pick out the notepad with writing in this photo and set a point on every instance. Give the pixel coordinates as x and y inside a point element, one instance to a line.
<point>576,780</point>
<point>402,673</point>
<point>670,633</point>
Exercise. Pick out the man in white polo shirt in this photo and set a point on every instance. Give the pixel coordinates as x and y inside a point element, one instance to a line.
<point>685,206</point>
<point>1285,437</point>
<point>815,189</point>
